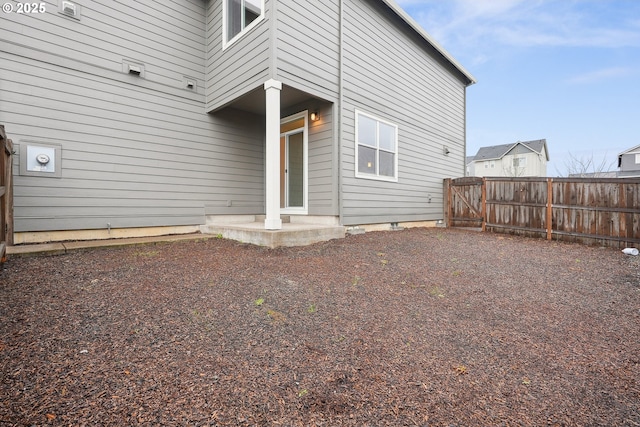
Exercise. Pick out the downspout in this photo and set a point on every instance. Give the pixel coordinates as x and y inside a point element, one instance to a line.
<point>339,108</point>
<point>464,153</point>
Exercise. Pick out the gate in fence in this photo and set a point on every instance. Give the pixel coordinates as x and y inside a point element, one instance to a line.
<point>465,196</point>
<point>602,211</point>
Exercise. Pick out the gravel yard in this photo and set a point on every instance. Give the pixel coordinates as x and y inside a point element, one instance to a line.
<point>421,327</point>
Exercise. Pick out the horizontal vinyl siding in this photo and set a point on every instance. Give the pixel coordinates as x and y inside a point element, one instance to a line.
<point>321,176</point>
<point>242,66</point>
<point>166,37</point>
<point>628,163</point>
<point>131,156</point>
<point>308,46</point>
<point>388,73</point>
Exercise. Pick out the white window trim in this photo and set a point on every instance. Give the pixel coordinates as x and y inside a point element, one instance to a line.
<point>395,166</point>
<point>637,158</point>
<point>226,43</point>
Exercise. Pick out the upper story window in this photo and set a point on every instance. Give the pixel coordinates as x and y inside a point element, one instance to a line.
<point>637,159</point>
<point>239,16</point>
<point>519,162</point>
<point>376,148</point>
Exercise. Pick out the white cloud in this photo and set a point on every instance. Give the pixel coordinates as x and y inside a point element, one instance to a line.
<point>473,25</point>
<point>598,75</point>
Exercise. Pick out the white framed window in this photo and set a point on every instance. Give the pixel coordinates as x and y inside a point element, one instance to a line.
<point>493,164</point>
<point>638,159</point>
<point>519,162</point>
<point>239,16</point>
<point>376,148</point>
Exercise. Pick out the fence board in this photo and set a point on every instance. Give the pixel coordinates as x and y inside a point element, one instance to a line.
<point>6,194</point>
<point>603,211</point>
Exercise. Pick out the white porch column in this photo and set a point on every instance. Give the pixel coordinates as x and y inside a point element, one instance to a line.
<point>272,157</point>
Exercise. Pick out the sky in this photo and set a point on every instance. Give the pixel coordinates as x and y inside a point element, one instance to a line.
<point>567,71</point>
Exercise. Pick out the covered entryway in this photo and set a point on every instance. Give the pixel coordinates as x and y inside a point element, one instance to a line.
<point>299,187</point>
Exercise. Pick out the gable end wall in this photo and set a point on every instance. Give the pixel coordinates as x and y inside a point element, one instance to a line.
<point>388,73</point>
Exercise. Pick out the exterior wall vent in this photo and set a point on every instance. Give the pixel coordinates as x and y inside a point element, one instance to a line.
<point>189,83</point>
<point>133,68</point>
<point>69,9</point>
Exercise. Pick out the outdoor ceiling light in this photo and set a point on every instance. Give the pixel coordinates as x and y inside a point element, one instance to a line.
<point>315,116</point>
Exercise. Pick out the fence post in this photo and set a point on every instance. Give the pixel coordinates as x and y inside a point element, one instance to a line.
<point>549,207</point>
<point>6,195</point>
<point>446,192</point>
<point>484,204</point>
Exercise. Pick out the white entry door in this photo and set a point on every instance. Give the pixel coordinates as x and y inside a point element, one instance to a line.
<point>293,164</point>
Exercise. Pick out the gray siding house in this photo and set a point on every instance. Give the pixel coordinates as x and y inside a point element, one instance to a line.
<point>147,117</point>
<point>629,163</point>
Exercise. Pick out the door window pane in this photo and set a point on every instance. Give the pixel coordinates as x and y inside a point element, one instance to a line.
<point>295,171</point>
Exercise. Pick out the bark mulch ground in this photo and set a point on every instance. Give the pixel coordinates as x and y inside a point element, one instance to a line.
<point>424,327</point>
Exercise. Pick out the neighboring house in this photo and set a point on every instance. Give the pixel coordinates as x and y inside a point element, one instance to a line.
<point>629,163</point>
<point>522,159</point>
<point>468,162</point>
<point>157,117</point>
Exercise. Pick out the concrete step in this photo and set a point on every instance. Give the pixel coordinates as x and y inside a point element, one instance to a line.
<point>289,235</point>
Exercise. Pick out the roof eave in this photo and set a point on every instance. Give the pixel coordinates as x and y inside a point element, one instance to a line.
<point>630,150</point>
<point>418,29</point>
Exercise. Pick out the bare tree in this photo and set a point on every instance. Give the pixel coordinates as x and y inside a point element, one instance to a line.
<point>587,166</point>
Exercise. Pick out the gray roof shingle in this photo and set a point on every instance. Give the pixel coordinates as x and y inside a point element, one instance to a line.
<point>496,152</point>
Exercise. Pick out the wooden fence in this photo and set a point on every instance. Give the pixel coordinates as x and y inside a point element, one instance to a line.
<point>6,195</point>
<point>596,211</point>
